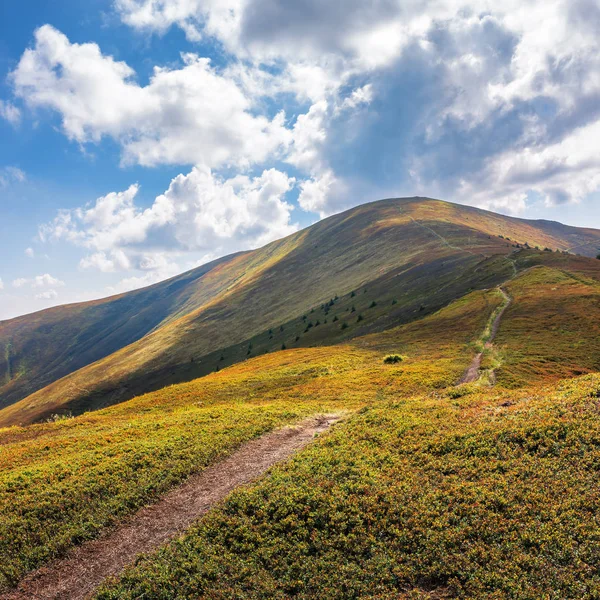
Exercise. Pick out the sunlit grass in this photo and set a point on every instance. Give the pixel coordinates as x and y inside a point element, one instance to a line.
<point>490,495</point>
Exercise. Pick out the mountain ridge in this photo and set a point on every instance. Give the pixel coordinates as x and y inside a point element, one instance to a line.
<point>407,245</point>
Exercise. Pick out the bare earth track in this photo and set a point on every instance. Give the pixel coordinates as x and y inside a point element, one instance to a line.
<point>473,372</point>
<point>77,576</point>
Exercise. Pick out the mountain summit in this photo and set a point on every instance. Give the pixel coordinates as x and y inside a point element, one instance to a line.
<point>409,256</point>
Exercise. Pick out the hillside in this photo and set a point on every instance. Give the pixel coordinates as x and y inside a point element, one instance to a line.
<point>390,262</point>
<point>424,489</point>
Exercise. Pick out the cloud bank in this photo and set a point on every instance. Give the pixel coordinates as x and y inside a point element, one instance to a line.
<point>319,105</point>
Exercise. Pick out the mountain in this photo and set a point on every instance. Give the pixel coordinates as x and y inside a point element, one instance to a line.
<point>450,367</point>
<point>387,262</point>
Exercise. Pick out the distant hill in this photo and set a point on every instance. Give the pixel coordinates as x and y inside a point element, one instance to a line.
<point>365,270</point>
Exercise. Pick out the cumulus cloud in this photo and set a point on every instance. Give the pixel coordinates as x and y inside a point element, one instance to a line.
<point>566,171</point>
<point>481,102</point>
<point>47,295</point>
<point>501,90</point>
<point>29,253</point>
<point>45,280</point>
<point>190,115</point>
<point>220,17</point>
<point>10,112</point>
<point>39,281</point>
<point>199,213</point>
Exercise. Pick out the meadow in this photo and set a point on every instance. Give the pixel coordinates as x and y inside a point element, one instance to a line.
<point>425,489</point>
<point>493,495</point>
<point>62,482</point>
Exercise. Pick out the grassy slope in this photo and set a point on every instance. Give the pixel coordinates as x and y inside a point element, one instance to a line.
<point>42,347</point>
<point>61,482</point>
<point>417,252</point>
<point>552,329</point>
<point>492,496</point>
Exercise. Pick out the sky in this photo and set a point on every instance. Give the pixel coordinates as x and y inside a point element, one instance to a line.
<point>141,138</point>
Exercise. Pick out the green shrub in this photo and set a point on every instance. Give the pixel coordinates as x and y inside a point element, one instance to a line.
<point>392,359</point>
<point>459,391</point>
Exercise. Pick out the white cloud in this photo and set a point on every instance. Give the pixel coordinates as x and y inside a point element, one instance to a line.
<point>115,260</point>
<point>10,112</point>
<point>359,96</point>
<point>199,213</point>
<point>220,17</point>
<point>10,175</point>
<point>45,280</point>
<point>190,115</point>
<point>316,193</point>
<point>309,135</point>
<point>566,171</point>
<point>39,281</point>
<point>1,284</point>
<point>483,60</point>
<point>47,295</point>
<point>539,59</point>
<point>29,253</point>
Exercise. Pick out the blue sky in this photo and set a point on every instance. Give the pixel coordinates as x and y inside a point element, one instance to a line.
<point>139,138</point>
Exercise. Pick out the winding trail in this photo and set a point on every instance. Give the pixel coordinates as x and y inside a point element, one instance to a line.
<point>84,568</point>
<point>440,237</point>
<point>472,374</point>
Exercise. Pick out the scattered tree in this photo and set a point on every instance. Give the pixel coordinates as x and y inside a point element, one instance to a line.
<point>344,325</point>
<point>373,304</point>
<point>359,318</point>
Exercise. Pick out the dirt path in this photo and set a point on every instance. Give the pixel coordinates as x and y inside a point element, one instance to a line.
<point>440,237</point>
<point>473,372</point>
<point>77,576</point>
